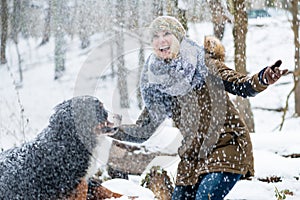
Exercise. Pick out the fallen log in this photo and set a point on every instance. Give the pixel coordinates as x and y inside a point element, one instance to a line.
<point>130,158</point>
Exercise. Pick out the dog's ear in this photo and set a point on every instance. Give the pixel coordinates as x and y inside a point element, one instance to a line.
<point>88,111</point>
<point>62,116</point>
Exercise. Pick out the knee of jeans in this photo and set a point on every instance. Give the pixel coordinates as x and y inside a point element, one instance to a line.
<point>216,185</point>
<point>184,192</point>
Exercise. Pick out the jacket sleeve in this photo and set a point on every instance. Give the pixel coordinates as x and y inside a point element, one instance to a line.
<point>139,132</point>
<point>237,83</point>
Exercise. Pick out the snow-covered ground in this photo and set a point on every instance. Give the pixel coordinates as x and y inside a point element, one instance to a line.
<point>25,111</point>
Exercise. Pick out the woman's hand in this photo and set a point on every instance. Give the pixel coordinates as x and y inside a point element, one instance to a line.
<point>273,73</point>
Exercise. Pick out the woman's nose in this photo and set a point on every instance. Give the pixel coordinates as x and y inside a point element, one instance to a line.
<point>161,39</point>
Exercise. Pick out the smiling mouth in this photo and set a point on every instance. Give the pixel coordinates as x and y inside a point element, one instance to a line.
<point>165,48</point>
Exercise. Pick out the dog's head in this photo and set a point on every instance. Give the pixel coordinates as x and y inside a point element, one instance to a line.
<point>84,112</point>
<point>84,116</point>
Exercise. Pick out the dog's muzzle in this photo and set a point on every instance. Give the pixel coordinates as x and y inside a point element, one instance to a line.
<point>109,130</point>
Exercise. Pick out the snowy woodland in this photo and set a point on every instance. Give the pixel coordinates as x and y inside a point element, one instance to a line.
<point>55,50</point>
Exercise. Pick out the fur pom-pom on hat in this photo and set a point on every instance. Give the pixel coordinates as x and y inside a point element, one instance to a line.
<point>168,23</point>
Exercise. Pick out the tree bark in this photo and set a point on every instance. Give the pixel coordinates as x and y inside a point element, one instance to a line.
<point>16,16</point>
<point>170,7</point>
<point>219,18</point>
<point>122,72</point>
<point>4,29</point>
<point>131,159</point>
<point>157,8</point>
<point>141,65</point>
<point>142,22</point>
<point>181,16</point>
<point>240,30</point>
<point>47,29</point>
<point>84,24</point>
<point>15,33</point>
<point>295,28</point>
<point>60,43</point>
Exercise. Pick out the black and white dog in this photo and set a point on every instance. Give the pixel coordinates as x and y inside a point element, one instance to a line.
<point>54,165</point>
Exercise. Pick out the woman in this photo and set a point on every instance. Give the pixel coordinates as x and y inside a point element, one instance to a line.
<point>189,84</point>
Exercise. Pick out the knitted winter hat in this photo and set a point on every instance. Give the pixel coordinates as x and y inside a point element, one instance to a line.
<point>167,23</point>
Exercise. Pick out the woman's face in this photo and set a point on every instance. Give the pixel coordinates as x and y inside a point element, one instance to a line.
<point>165,45</point>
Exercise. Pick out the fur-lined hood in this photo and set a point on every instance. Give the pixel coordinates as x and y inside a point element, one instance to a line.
<point>214,48</point>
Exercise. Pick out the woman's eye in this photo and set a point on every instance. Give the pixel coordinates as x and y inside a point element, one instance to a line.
<point>167,33</point>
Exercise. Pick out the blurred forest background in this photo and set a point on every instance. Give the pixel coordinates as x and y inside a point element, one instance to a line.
<point>63,20</point>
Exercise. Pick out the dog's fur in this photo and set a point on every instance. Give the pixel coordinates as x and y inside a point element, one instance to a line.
<point>57,161</point>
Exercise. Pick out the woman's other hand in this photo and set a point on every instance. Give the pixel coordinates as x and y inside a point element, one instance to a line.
<point>273,73</point>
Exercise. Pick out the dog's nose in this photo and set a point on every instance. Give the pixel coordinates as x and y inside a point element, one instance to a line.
<point>107,130</point>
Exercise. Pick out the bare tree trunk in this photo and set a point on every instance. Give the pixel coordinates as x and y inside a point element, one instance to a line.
<point>4,29</point>
<point>295,28</point>
<point>157,8</point>
<point>112,55</point>
<point>170,7</point>
<point>133,19</point>
<point>112,34</point>
<point>173,9</point>
<point>47,29</point>
<point>16,20</point>
<point>15,33</point>
<point>60,43</point>
<point>122,72</point>
<point>181,15</point>
<point>141,25</point>
<point>132,159</point>
<point>219,18</point>
<point>141,65</point>
<point>84,24</point>
<point>240,30</point>
<point>73,29</point>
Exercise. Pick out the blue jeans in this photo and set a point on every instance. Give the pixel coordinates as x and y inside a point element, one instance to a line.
<point>211,186</point>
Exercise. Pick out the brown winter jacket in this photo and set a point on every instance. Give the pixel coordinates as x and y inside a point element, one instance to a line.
<point>220,141</point>
<point>233,150</point>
